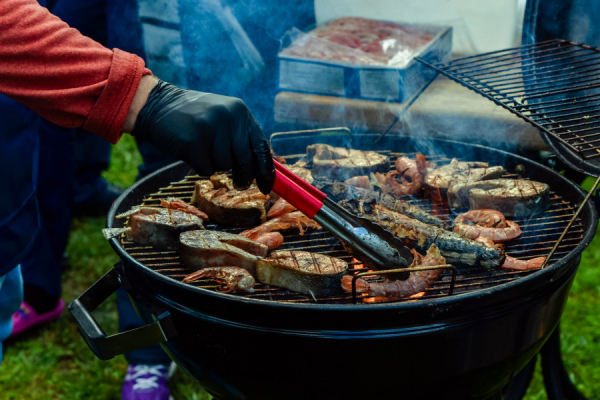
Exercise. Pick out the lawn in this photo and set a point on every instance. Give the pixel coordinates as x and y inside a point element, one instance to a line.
<point>54,362</point>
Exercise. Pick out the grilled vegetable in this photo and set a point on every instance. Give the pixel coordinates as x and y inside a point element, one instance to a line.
<point>202,249</point>
<point>229,206</point>
<point>303,272</point>
<point>340,163</point>
<point>338,191</point>
<point>455,248</point>
<point>518,198</point>
<point>461,172</point>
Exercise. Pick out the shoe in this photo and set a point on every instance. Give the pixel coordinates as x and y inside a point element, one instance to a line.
<point>26,318</point>
<point>147,382</point>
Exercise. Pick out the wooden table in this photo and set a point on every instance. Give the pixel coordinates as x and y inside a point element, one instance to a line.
<point>445,110</point>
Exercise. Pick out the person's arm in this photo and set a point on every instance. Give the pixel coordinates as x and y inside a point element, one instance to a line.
<point>75,82</point>
<point>64,76</point>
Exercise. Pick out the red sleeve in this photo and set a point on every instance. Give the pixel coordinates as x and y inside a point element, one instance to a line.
<point>62,75</point>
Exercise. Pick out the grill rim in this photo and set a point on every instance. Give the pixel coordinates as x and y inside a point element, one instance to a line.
<point>536,280</point>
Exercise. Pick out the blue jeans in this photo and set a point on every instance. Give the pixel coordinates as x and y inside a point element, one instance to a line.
<point>11,297</point>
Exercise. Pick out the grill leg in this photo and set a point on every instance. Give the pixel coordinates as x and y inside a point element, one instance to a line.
<point>517,387</point>
<point>556,380</point>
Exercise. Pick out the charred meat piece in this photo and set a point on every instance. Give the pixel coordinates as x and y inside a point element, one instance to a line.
<point>338,191</point>
<point>203,249</point>
<point>229,206</point>
<point>417,282</point>
<point>234,278</point>
<point>341,164</point>
<point>455,248</point>
<point>518,198</point>
<point>303,272</point>
<point>159,227</point>
<point>461,172</point>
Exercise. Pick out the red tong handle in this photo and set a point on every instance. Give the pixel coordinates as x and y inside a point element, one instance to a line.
<point>296,191</point>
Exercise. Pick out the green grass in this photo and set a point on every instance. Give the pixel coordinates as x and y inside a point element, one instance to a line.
<point>54,362</point>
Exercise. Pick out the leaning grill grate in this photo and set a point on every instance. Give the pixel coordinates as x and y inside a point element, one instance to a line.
<point>539,236</point>
<point>554,85</point>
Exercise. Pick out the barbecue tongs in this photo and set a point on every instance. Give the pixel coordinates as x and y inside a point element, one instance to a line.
<point>379,248</point>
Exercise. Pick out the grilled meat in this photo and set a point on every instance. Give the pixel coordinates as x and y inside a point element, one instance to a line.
<point>340,163</point>
<point>221,181</point>
<point>488,223</point>
<point>303,272</point>
<point>159,227</point>
<point>461,172</point>
<point>178,204</point>
<point>455,248</point>
<point>234,278</point>
<point>417,282</point>
<point>338,191</point>
<point>202,249</point>
<point>518,198</point>
<point>230,206</point>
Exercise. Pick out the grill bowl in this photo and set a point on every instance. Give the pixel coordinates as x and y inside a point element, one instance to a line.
<point>454,347</point>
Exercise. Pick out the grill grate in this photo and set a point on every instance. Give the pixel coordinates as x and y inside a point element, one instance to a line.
<point>554,85</point>
<point>539,236</point>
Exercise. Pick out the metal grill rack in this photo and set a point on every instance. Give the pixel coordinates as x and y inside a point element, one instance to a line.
<point>554,85</point>
<point>540,234</point>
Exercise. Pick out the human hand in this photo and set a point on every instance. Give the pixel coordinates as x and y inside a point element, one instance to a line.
<point>207,131</point>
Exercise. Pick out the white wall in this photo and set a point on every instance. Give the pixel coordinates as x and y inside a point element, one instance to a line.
<point>479,25</point>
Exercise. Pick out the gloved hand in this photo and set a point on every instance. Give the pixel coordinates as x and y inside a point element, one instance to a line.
<point>209,132</point>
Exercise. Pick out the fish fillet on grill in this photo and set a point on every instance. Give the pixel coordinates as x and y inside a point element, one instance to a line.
<point>302,271</point>
<point>455,248</point>
<point>230,206</point>
<point>340,163</point>
<point>203,249</point>
<point>461,172</point>
<point>160,227</point>
<point>338,191</point>
<point>520,198</point>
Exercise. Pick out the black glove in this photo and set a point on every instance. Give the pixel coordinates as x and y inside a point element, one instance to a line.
<point>209,132</point>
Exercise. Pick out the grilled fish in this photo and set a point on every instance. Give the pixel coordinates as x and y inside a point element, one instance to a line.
<point>230,206</point>
<point>518,198</point>
<point>461,172</point>
<point>455,248</point>
<point>339,191</point>
<point>340,163</point>
<point>203,249</point>
<point>301,271</point>
<point>159,227</point>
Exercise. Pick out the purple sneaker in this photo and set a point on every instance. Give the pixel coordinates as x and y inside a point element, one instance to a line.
<point>27,317</point>
<point>147,382</point>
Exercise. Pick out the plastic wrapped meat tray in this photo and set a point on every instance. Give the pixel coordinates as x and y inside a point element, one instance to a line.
<point>362,58</point>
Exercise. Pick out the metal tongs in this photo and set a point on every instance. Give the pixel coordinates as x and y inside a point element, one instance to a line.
<point>379,248</point>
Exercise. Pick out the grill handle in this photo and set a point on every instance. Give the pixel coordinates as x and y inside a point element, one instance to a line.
<point>106,347</point>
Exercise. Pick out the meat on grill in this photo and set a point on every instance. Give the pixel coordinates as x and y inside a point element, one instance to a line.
<point>230,206</point>
<point>455,248</point>
<point>159,227</point>
<point>416,282</point>
<point>461,172</point>
<point>341,164</point>
<point>303,272</point>
<point>338,191</point>
<point>291,220</point>
<point>234,278</point>
<point>203,249</point>
<point>520,198</point>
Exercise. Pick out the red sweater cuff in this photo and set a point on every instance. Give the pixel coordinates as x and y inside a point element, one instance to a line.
<point>107,117</point>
